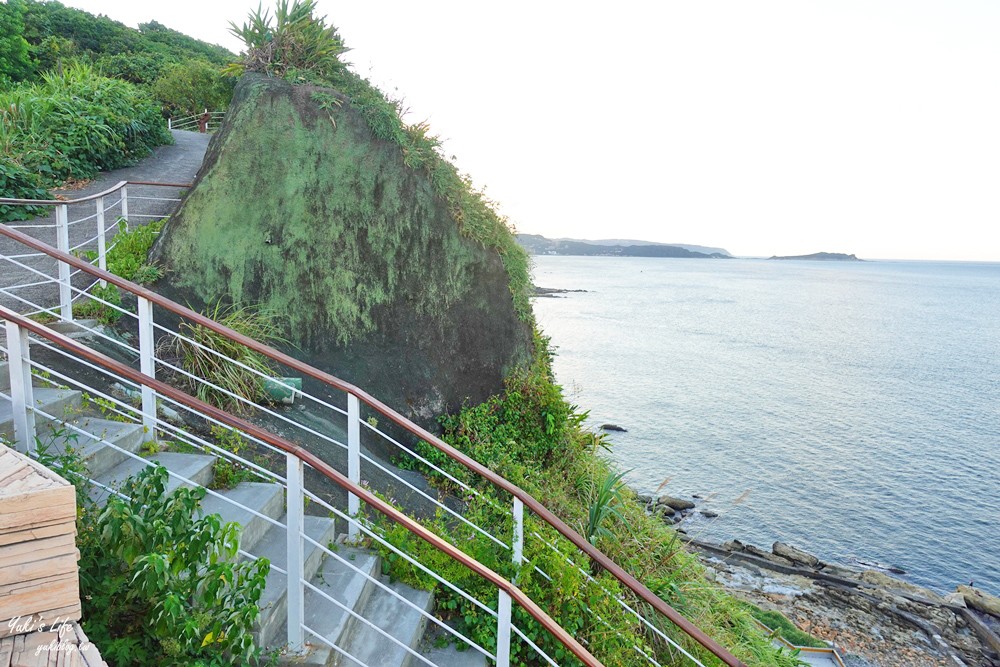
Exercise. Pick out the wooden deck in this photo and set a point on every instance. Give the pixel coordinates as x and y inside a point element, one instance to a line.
<point>39,578</point>
<point>65,646</point>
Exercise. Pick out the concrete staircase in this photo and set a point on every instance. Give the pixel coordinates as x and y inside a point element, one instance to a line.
<point>352,578</point>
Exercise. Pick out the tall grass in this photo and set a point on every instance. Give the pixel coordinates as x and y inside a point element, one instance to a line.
<point>206,355</point>
<point>72,124</point>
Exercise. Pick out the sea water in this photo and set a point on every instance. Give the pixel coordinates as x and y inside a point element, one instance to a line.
<point>848,408</point>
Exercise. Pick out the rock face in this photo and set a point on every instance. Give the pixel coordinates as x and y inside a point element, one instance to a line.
<point>984,602</point>
<point>675,503</point>
<point>298,208</point>
<point>794,555</point>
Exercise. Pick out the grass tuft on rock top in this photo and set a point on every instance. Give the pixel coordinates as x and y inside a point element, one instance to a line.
<point>301,47</point>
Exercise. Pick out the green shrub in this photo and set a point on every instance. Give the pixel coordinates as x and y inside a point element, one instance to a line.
<point>128,256</point>
<point>158,584</point>
<point>75,123</point>
<point>16,182</point>
<point>187,88</point>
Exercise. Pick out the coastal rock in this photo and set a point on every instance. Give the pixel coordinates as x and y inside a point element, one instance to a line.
<point>977,599</point>
<point>613,427</point>
<point>676,503</point>
<point>733,545</point>
<point>883,580</point>
<point>664,510</point>
<point>643,499</point>
<point>766,555</point>
<point>709,514</point>
<point>795,555</point>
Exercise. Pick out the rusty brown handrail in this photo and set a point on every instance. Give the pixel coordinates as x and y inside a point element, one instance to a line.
<point>317,463</point>
<point>544,513</point>
<point>57,202</point>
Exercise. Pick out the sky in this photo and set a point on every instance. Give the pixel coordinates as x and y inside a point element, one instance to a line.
<point>769,127</point>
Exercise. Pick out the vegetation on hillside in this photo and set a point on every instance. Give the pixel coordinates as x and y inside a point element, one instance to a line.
<point>184,74</point>
<point>70,125</point>
<point>531,436</point>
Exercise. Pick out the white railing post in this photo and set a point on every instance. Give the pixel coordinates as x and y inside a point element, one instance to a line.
<point>503,630</point>
<point>147,367</point>
<point>170,123</point>
<point>295,475</point>
<point>353,460</point>
<point>62,242</point>
<point>518,543</point>
<point>125,205</point>
<point>102,243</point>
<point>22,399</point>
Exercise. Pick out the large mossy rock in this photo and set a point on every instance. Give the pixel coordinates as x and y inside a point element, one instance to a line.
<point>299,209</point>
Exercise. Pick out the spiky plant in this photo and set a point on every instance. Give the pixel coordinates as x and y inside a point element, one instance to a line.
<point>294,40</point>
<point>209,358</point>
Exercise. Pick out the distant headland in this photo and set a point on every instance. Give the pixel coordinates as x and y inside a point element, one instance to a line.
<point>823,257</point>
<point>539,245</point>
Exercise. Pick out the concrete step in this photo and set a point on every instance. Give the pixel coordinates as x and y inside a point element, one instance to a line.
<point>59,403</point>
<point>93,448</point>
<point>394,617</point>
<point>272,623</point>
<point>76,328</point>
<point>451,656</point>
<point>195,467</point>
<point>339,578</point>
<point>262,498</point>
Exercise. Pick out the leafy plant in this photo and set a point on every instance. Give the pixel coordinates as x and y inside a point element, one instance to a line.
<point>100,304</point>
<point>128,255</point>
<point>186,88</point>
<point>206,355</point>
<point>159,583</point>
<point>229,473</point>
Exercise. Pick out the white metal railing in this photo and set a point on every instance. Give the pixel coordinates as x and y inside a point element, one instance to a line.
<point>193,123</point>
<point>26,411</point>
<point>95,219</point>
<point>348,423</point>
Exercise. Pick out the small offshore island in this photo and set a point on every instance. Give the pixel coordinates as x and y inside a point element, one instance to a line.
<point>822,257</point>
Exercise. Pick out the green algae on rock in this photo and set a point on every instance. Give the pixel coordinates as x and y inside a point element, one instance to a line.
<point>299,209</point>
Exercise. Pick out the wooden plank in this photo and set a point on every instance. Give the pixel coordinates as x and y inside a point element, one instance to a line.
<point>36,518</point>
<point>6,650</point>
<point>39,595</point>
<point>37,499</point>
<point>42,620</point>
<point>66,563</point>
<point>15,553</point>
<point>37,533</point>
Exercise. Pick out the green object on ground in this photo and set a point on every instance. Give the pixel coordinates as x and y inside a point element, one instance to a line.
<point>283,390</point>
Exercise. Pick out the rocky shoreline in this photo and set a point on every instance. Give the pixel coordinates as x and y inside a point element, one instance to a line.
<point>872,618</point>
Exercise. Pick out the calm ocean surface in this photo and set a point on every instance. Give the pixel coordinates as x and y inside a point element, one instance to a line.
<point>852,409</point>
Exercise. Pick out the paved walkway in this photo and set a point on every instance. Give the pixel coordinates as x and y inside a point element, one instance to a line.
<point>178,163</point>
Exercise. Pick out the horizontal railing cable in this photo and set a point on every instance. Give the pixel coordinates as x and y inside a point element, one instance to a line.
<point>366,496</point>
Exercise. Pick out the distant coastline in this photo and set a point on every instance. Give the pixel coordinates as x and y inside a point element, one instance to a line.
<point>536,244</point>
